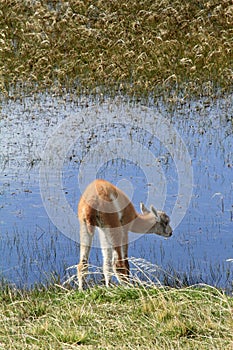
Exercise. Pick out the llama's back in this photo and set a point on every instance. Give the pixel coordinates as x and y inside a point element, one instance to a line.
<point>102,203</point>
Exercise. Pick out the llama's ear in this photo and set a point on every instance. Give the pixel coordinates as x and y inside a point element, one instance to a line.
<point>154,211</point>
<point>144,210</point>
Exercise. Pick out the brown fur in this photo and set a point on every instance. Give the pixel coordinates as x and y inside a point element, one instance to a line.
<point>105,206</point>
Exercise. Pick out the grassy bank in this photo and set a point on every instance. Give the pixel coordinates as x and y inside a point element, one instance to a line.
<point>138,47</point>
<point>116,318</point>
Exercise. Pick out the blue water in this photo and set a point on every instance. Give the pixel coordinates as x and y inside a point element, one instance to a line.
<point>32,246</point>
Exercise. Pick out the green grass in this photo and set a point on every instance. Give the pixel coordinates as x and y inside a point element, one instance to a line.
<point>116,318</point>
<point>135,47</point>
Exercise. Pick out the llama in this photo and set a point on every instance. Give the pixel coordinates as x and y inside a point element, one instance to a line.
<point>106,207</point>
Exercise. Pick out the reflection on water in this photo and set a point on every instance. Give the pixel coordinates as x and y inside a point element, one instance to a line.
<point>32,248</point>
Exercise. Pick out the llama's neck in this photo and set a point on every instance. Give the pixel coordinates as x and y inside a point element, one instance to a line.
<point>142,223</point>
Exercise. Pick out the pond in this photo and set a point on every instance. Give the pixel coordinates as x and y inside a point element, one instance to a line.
<point>176,156</point>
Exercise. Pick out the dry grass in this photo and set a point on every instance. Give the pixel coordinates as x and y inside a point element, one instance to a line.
<point>136,47</point>
<point>116,318</point>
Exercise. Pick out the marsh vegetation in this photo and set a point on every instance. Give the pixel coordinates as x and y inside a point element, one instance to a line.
<point>136,47</point>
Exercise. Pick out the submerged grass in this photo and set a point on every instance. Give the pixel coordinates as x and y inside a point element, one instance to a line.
<point>120,318</point>
<point>137,47</point>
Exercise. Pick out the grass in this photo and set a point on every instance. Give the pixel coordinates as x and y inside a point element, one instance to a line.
<point>135,47</point>
<point>133,317</point>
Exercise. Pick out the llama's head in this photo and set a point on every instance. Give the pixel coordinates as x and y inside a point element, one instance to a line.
<point>159,221</point>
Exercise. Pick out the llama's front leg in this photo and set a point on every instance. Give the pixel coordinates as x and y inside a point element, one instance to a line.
<point>125,260</point>
<point>125,242</point>
<point>120,265</point>
<point>85,246</point>
<point>120,254</point>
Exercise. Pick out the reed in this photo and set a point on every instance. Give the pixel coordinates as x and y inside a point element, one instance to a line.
<point>138,48</point>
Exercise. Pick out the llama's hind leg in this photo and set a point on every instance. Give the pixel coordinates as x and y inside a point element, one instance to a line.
<point>85,246</point>
<point>106,247</point>
<point>107,265</point>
